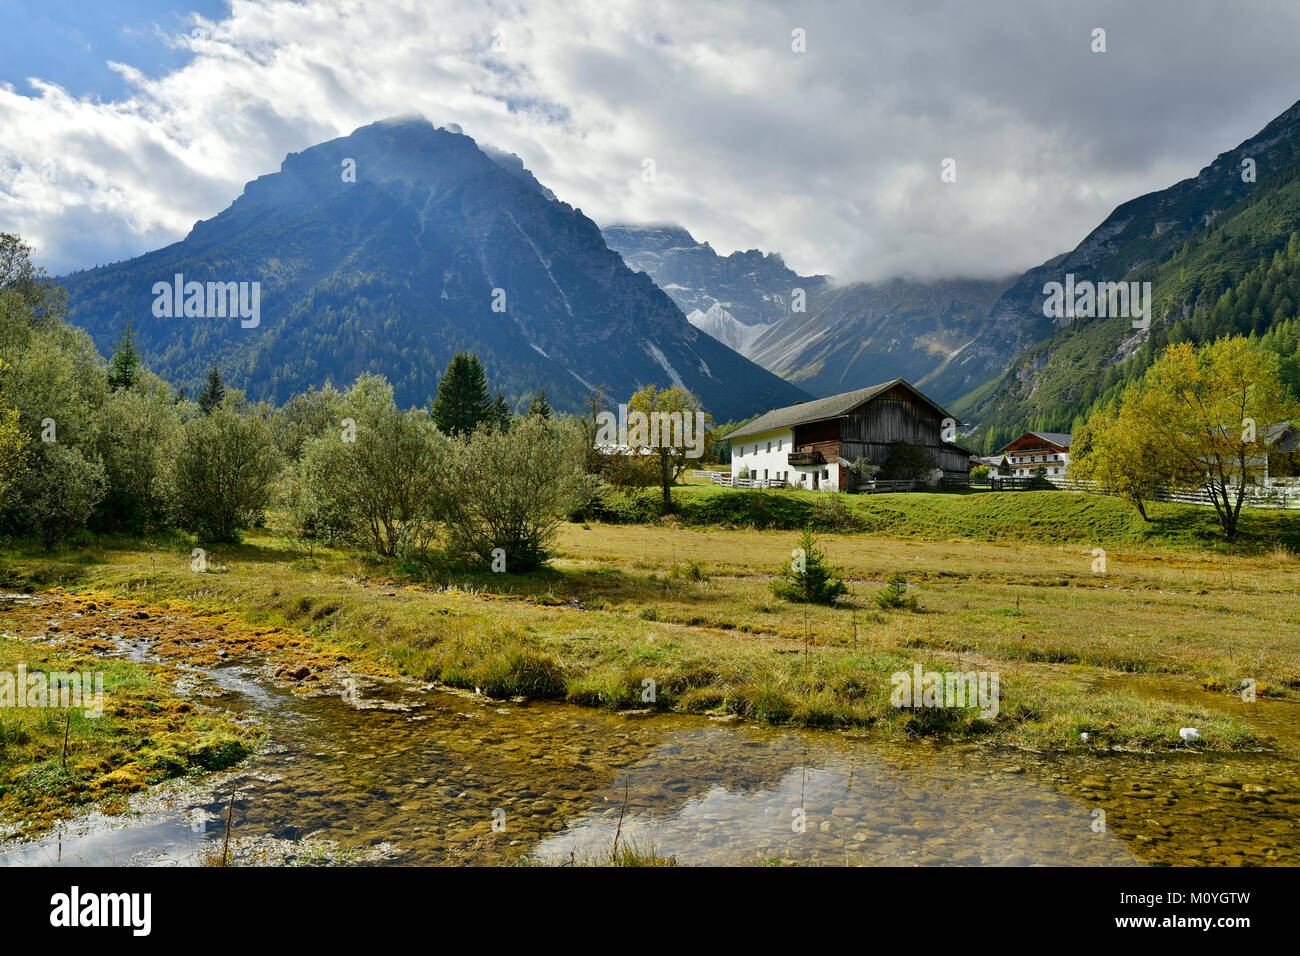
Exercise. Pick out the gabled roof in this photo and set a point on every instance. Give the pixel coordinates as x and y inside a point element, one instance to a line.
<point>821,409</point>
<point>1284,437</point>
<point>1054,438</point>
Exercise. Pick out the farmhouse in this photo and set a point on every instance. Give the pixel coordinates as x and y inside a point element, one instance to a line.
<point>812,444</point>
<point>998,465</point>
<point>1051,450</point>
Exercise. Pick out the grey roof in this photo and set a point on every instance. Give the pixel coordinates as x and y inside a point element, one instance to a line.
<point>821,409</point>
<point>1284,437</point>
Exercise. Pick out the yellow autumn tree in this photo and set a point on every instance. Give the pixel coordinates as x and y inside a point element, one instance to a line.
<point>673,432</point>
<point>1198,418</point>
<point>1124,459</point>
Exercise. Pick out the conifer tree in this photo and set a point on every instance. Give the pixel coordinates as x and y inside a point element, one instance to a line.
<point>213,392</point>
<point>540,406</point>
<point>501,412</point>
<point>462,401</point>
<point>125,363</point>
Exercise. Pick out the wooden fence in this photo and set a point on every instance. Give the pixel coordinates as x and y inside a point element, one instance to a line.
<point>875,487</point>
<point>879,487</point>
<point>1275,496</point>
<point>724,478</point>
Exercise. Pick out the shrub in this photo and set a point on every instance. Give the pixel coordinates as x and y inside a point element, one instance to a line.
<point>59,491</point>
<point>510,490</point>
<point>13,454</point>
<point>907,462</point>
<point>688,570</point>
<point>307,415</point>
<point>137,425</point>
<point>375,481</point>
<point>633,506</point>
<point>222,468</point>
<point>862,472</point>
<point>625,469</point>
<point>832,513</point>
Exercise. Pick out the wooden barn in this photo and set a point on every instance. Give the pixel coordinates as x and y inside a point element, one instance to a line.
<point>812,444</point>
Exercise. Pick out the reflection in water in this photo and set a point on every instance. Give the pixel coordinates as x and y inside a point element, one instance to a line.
<point>408,776</point>
<point>848,804</point>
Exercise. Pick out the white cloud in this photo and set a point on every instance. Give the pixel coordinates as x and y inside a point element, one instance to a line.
<point>831,157</point>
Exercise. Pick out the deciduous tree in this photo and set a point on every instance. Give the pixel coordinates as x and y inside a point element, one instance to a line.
<point>672,416</point>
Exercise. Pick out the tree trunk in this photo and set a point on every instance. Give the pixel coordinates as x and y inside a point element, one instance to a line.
<point>666,480</point>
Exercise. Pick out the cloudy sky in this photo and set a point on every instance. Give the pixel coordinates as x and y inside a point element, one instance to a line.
<point>122,124</point>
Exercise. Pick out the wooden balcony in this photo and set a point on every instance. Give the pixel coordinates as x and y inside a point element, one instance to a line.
<point>812,457</point>
<point>815,453</point>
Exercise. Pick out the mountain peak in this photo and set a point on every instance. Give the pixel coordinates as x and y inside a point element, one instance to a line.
<point>652,236</point>
<point>754,286</point>
<point>388,249</point>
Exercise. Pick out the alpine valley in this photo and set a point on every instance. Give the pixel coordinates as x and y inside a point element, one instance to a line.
<point>1220,250</point>
<point>439,244</point>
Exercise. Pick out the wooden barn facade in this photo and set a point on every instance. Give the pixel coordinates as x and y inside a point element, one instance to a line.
<point>812,444</point>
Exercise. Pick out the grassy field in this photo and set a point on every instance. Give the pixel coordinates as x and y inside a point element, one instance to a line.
<point>685,603</point>
<point>1034,516</point>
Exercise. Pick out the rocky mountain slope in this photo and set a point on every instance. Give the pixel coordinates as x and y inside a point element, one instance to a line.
<point>1193,242</point>
<point>843,338</point>
<point>389,249</point>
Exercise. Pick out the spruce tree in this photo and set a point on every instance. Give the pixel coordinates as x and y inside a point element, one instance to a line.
<point>806,578</point>
<point>501,411</point>
<point>540,406</point>
<point>125,362</point>
<point>462,401</point>
<point>213,392</point>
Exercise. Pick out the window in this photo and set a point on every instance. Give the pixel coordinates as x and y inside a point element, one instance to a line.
<point>779,442</point>
<point>765,474</point>
<point>769,448</point>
